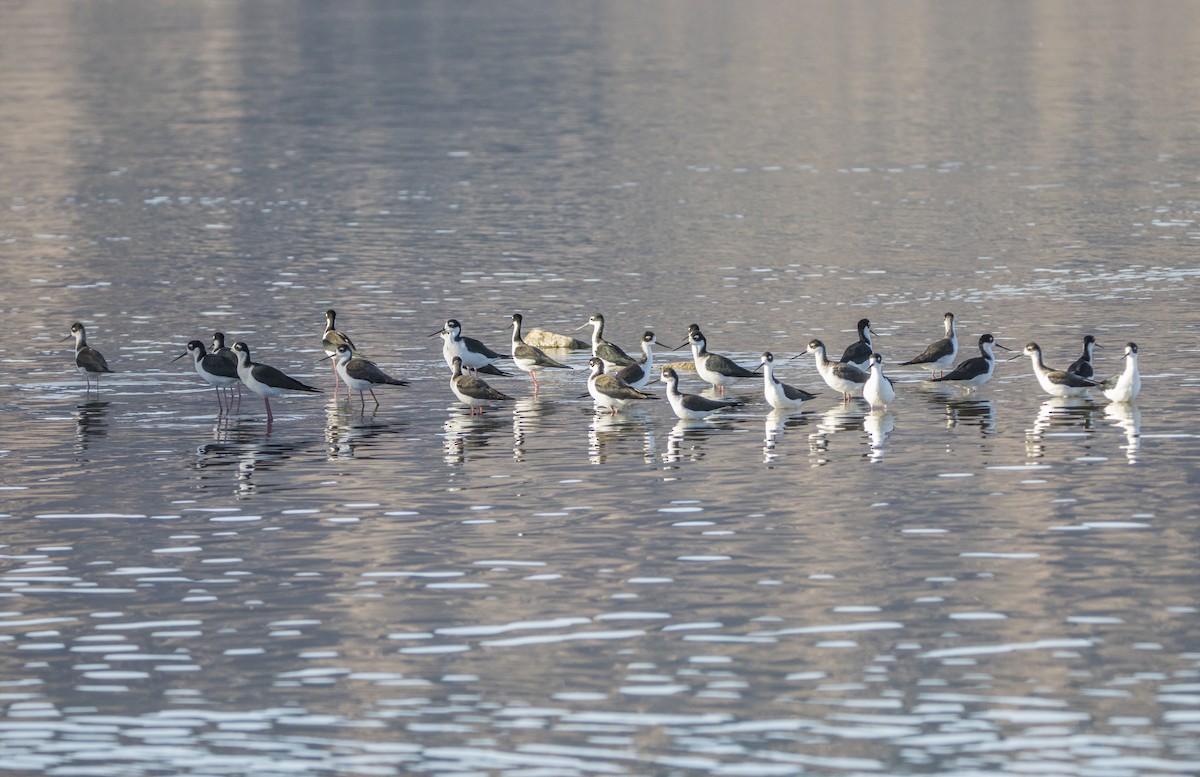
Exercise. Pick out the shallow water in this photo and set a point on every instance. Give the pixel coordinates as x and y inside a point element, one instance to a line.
<point>987,583</point>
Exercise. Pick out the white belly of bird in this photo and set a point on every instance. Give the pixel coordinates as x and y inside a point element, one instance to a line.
<point>604,400</point>
<point>711,376</point>
<point>528,365</point>
<point>776,398</point>
<point>355,384</point>
<point>466,398</point>
<point>1127,388</point>
<point>257,386</point>
<point>878,390</point>
<point>1058,389</point>
<point>836,383</point>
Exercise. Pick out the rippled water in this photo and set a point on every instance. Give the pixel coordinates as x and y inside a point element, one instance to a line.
<point>968,584</point>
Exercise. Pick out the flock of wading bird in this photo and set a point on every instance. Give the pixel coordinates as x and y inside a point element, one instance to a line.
<point>617,379</point>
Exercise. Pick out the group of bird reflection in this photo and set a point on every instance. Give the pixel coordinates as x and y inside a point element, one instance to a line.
<point>616,379</point>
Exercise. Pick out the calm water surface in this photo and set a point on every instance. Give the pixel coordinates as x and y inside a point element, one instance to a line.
<point>965,584</point>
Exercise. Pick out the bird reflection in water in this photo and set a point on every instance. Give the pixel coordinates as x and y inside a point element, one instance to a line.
<point>244,446</point>
<point>612,434</point>
<point>1127,417</point>
<point>688,439</point>
<point>775,424</point>
<point>847,417</point>
<point>527,417</point>
<point>1060,417</point>
<point>347,430</point>
<point>464,434</point>
<point>91,423</point>
<point>878,424</point>
<point>966,410</point>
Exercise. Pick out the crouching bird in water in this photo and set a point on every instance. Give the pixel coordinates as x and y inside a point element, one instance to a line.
<point>689,407</point>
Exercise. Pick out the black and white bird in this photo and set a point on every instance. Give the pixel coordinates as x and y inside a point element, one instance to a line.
<point>878,390</point>
<point>689,407</point>
<point>216,371</point>
<point>88,360</point>
<point>1128,384</point>
<point>939,356</point>
<point>859,353</point>
<point>640,372</point>
<point>529,358</point>
<point>361,375</point>
<point>974,372</point>
<point>471,390</point>
<point>608,391</point>
<point>844,378</point>
<point>1083,365</point>
<point>330,340</point>
<point>611,354</point>
<point>220,351</point>
<point>475,356</point>
<point>264,380</point>
<point>711,367</point>
<point>780,395</point>
<point>1056,383</point>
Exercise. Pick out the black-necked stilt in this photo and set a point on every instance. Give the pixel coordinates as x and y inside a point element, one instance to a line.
<point>939,356</point>
<point>711,367</point>
<point>229,357</point>
<point>878,390</point>
<point>471,390</point>
<point>607,390</point>
<point>361,374</point>
<point>1056,383</point>
<point>780,395</point>
<point>974,372</point>
<point>475,355</point>
<point>529,358</point>
<point>612,356</point>
<point>859,353</point>
<point>330,340</point>
<point>217,372</point>
<point>88,360</point>
<point>638,374</point>
<point>1126,386</point>
<point>689,407</point>
<point>845,378</point>
<point>264,380</point>
<point>1083,365</point>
